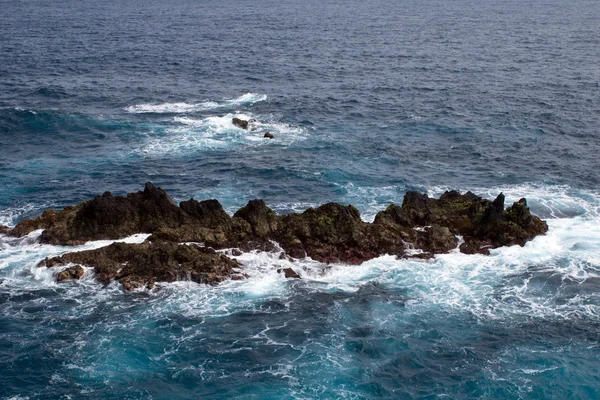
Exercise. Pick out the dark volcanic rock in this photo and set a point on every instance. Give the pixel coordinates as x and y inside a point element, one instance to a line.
<point>48,219</point>
<point>4,229</point>
<point>139,265</point>
<point>329,233</point>
<point>269,135</point>
<point>437,239</point>
<point>332,233</point>
<point>106,217</point>
<point>484,224</point>
<point>71,273</point>
<point>240,123</point>
<point>208,213</point>
<point>289,273</point>
<point>262,220</point>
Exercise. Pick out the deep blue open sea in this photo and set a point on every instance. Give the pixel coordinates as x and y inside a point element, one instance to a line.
<point>366,100</point>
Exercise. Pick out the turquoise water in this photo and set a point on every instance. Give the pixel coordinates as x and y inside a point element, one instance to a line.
<point>366,100</point>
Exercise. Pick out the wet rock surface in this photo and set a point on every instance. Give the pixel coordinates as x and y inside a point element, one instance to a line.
<point>141,265</point>
<point>289,273</point>
<point>71,273</point>
<point>240,123</point>
<point>329,233</point>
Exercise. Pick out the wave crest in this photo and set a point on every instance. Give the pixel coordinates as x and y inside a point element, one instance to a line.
<point>183,107</point>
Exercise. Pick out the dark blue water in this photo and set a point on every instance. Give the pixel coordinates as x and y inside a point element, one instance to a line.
<point>366,100</point>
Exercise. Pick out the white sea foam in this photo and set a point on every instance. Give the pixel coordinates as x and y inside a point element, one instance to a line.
<point>183,107</point>
<point>190,135</point>
<point>10,216</point>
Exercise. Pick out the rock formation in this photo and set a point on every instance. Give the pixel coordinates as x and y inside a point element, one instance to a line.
<point>71,273</point>
<point>240,123</point>
<point>329,233</point>
<point>139,265</point>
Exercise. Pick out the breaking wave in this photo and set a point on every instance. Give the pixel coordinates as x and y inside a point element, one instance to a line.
<point>189,135</point>
<point>183,107</point>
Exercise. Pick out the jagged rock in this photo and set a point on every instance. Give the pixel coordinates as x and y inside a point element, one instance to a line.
<point>208,213</point>
<point>437,239</point>
<point>139,265</point>
<point>48,219</point>
<point>333,233</point>
<point>329,233</point>
<point>71,273</point>
<point>476,247</point>
<point>269,135</point>
<point>240,123</point>
<point>106,217</point>
<point>484,224</point>
<point>262,220</point>
<point>4,229</point>
<point>289,273</point>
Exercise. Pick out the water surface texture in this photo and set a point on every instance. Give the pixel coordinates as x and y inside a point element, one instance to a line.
<point>366,101</point>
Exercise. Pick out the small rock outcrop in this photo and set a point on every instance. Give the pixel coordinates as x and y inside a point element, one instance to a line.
<point>71,273</point>
<point>4,229</point>
<point>141,265</point>
<point>269,135</point>
<point>106,217</point>
<point>240,123</point>
<point>289,273</point>
<point>484,224</point>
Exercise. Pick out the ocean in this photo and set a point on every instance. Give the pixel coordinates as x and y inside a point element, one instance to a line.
<point>366,101</point>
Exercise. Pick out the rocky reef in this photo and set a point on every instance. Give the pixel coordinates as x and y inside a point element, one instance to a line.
<point>138,265</point>
<point>420,227</point>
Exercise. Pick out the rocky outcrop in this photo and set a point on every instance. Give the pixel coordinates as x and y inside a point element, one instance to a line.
<point>289,273</point>
<point>484,224</point>
<point>141,265</point>
<point>240,123</point>
<point>106,217</point>
<point>4,229</point>
<point>48,219</point>
<point>329,233</point>
<point>269,135</point>
<point>71,273</point>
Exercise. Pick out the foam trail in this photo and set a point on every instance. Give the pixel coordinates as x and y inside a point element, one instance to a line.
<point>218,132</point>
<point>183,107</point>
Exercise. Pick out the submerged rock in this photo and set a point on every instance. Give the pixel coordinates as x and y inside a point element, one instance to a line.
<point>240,123</point>
<point>269,135</point>
<point>141,265</point>
<point>289,273</point>
<point>71,273</point>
